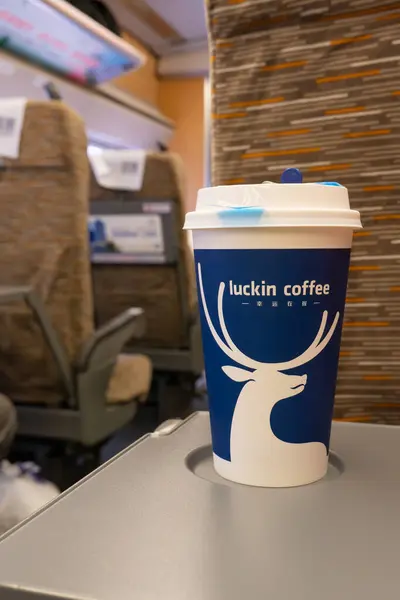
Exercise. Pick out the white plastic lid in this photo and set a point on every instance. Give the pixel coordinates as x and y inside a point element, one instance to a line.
<point>273,205</point>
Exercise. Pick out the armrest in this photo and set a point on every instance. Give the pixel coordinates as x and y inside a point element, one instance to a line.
<point>108,341</point>
<point>13,294</point>
<point>27,295</point>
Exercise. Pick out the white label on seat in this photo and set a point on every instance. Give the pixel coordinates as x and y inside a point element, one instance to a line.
<point>119,169</point>
<point>12,113</point>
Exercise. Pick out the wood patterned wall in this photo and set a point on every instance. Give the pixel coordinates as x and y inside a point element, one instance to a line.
<point>316,85</point>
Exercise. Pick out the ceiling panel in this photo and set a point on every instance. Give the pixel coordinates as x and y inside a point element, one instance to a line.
<point>162,25</point>
<point>126,16</point>
<point>185,16</point>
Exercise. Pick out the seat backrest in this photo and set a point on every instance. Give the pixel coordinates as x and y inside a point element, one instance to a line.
<point>315,87</point>
<point>165,291</point>
<point>43,240</point>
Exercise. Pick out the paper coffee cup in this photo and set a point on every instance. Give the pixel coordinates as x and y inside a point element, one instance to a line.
<point>272,263</point>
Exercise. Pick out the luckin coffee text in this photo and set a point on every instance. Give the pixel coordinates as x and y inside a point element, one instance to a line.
<point>254,288</point>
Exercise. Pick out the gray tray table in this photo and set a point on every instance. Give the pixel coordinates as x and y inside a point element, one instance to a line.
<point>157,523</point>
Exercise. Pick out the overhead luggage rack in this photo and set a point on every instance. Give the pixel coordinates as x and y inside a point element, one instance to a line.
<point>112,118</point>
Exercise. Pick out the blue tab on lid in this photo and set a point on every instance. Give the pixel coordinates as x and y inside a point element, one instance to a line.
<point>332,183</point>
<point>292,176</point>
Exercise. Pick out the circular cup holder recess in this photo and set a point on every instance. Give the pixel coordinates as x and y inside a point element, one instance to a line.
<point>200,463</point>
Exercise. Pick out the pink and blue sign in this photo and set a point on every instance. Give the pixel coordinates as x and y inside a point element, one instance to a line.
<point>54,35</point>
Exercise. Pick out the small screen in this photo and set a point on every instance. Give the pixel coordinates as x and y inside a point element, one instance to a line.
<point>132,238</point>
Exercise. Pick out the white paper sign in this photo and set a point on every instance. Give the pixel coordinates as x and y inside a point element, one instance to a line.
<point>118,169</point>
<point>12,114</point>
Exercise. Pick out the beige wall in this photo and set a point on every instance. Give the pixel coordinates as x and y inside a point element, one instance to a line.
<point>182,100</point>
<point>142,83</point>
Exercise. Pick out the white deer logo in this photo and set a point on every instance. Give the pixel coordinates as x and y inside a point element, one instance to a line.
<point>255,450</point>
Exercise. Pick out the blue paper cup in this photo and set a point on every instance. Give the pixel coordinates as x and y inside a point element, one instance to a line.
<point>271,281</point>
